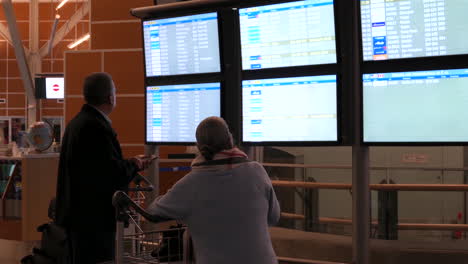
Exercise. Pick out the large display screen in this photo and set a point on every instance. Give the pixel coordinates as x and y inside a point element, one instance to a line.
<point>55,87</point>
<point>173,112</point>
<point>288,34</point>
<point>422,106</point>
<point>181,45</point>
<point>413,28</point>
<point>290,109</point>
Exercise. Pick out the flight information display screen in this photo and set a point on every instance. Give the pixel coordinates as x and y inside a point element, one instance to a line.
<point>422,106</point>
<point>413,28</point>
<point>181,45</point>
<point>290,109</point>
<point>173,112</point>
<point>288,34</point>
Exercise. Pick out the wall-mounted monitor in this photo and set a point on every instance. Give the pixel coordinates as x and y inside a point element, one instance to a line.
<point>173,112</point>
<point>413,28</point>
<point>297,109</point>
<point>288,34</point>
<point>416,107</point>
<point>181,45</point>
<point>49,87</point>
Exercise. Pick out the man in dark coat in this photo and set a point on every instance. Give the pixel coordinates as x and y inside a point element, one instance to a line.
<point>91,169</point>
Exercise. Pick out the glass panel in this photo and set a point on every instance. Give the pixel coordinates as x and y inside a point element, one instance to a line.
<point>407,215</point>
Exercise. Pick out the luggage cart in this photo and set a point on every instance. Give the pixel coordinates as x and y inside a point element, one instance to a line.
<point>163,246</point>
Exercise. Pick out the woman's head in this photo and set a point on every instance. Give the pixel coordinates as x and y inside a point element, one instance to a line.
<point>213,136</point>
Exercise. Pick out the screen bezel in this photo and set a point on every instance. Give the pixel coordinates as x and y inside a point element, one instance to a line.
<point>298,143</point>
<point>189,143</point>
<point>395,59</point>
<point>407,68</point>
<point>182,14</point>
<point>264,3</point>
<point>40,88</point>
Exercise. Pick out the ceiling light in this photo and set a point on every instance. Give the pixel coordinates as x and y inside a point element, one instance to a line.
<point>61,4</point>
<point>79,41</point>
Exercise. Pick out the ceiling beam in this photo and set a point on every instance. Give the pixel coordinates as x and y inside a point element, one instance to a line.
<point>19,49</point>
<point>34,59</point>
<point>65,29</point>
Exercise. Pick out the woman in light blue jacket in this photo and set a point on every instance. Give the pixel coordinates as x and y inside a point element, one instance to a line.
<point>226,201</point>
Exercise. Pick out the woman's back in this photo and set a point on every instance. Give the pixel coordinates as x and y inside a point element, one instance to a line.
<point>227,212</point>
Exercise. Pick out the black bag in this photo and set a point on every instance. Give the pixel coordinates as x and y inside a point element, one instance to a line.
<point>38,257</point>
<point>54,243</point>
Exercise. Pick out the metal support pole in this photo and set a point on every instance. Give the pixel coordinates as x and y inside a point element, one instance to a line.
<point>119,248</point>
<point>360,171</point>
<point>387,226</point>
<point>250,151</point>
<point>361,204</point>
<point>152,172</point>
<point>311,200</point>
<point>52,36</point>
<point>65,29</point>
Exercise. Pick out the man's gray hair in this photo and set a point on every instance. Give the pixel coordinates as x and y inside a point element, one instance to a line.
<point>97,88</point>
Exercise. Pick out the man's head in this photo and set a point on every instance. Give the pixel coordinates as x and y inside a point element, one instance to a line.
<point>213,136</point>
<point>99,91</point>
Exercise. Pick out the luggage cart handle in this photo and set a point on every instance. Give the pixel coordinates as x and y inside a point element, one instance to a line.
<point>138,179</point>
<point>122,201</point>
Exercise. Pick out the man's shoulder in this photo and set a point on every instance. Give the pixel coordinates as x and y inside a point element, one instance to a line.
<point>85,121</point>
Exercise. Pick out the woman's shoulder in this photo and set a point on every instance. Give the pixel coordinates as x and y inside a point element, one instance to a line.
<point>256,168</point>
<point>255,165</point>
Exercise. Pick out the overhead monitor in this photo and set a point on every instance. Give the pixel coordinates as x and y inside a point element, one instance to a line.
<point>174,111</point>
<point>55,87</point>
<point>49,87</point>
<point>416,107</point>
<point>298,109</point>
<point>181,45</point>
<point>288,34</point>
<point>413,28</point>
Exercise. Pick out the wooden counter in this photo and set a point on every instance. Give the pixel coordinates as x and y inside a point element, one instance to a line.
<point>39,180</point>
<point>38,184</point>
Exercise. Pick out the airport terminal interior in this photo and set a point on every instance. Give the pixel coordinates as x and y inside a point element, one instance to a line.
<point>355,108</point>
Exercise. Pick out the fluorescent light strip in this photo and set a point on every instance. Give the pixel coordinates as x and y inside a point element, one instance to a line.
<point>79,41</point>
<point>61,4</point>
